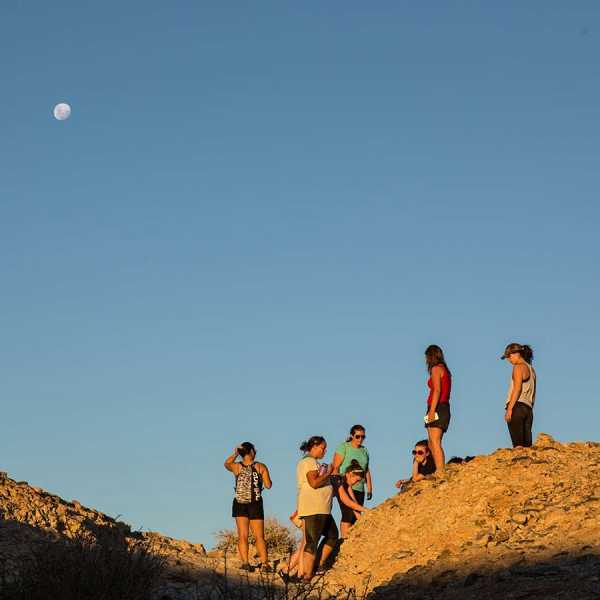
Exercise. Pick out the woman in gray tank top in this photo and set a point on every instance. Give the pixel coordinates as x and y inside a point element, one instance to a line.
<point>521,394</point>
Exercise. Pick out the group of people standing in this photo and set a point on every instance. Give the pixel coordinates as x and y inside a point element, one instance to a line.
<point>348,476</point>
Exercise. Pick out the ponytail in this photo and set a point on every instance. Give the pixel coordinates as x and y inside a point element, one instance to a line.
<point>245,449</point>
<point>354,467</point>
<point>315,440</point>
<point>527,353</point>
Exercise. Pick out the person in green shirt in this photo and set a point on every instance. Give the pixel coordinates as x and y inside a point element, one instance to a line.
<point>345,453</point>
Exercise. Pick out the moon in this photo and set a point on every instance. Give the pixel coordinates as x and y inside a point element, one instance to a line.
<point>62,111</point>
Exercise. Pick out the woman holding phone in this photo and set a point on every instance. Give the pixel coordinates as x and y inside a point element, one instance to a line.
<point>315,494</point>
<point>437,418</point>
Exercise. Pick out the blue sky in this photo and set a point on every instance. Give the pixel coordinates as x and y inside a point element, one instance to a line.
<point>258,217</point>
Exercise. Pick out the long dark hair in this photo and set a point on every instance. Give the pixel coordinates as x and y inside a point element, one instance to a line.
<point>246,448</point>
<point>524,350</point>
<point>353,430</point>
<point>315,440</point>
<point>434,355</point>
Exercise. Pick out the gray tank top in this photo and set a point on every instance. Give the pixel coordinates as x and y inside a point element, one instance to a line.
<point>527,389</point>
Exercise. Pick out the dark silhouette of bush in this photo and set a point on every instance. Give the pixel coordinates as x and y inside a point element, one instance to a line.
<point>84,568</point>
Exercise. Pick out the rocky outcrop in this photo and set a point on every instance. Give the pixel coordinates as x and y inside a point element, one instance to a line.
<point>500,526</point>
<point>30,513</point>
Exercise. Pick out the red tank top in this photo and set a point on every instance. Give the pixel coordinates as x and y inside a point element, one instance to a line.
<point>445,391</point>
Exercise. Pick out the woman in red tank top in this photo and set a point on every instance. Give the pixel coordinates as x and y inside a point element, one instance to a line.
<point>437,418</point>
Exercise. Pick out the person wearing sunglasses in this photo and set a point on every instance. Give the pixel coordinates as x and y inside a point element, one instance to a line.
<point>423,463</point>
<point>345,453</point>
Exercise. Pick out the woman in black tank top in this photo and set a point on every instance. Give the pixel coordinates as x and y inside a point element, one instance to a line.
<point>351,509</point>
<point>247,509</point>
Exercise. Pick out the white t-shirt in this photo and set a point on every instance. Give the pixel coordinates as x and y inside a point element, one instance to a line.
<point>312,501</point>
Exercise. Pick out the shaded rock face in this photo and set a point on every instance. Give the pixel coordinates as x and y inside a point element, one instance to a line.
<point>495,527</point>
<point>28,514</point>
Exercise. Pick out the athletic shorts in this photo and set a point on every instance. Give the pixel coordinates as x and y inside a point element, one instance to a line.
<point>252,510</point>
<point>443,411</point>
<point>348,515</point>
<point>317,526</point>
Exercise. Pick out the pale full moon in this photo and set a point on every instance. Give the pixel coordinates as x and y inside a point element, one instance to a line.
<point>62,111</point>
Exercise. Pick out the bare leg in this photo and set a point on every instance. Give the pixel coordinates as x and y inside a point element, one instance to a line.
<point>301,557</point>
<point>309,563</point>
<point>242,530</point>
<point>435,445</point>
<point>292,562</point>
<point>295,561</point>
<point>258,529</point>
<point>326,550</point>
<point>344,529</point>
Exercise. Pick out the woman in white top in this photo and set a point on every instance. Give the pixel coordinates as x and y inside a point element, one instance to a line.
<point>521,395</point>
<point>315,494</point>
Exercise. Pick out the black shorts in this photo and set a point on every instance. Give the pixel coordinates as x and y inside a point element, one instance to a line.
<point>252,510</point>
<point>443,411</point>
<point>348,515</point>
<point>317,526</point>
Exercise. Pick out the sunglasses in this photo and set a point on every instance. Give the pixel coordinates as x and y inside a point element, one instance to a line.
<point>359,437</point>
<point>418,452</point>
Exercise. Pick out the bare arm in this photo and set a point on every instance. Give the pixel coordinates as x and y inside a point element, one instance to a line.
<point>338,459</point>
<point>369,481</point>
<point>349,502</point>
<point>315,480</point>
<point>436,382</point>
<point>416,476</point>
<point>230,463</point>
<point>266,476</point>
<point>517,378</point>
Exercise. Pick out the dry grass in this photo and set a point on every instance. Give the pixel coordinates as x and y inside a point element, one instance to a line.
<point>84,568</point>
<point>267,586</point>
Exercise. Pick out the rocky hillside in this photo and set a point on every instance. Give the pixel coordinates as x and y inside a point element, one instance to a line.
<point>517,524</point>
<point>28,513</point>
<point>521,523</point>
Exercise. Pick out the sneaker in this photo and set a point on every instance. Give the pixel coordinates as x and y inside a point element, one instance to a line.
<point>247,567</point>
<point>265,568</point>
<point>290,578</point>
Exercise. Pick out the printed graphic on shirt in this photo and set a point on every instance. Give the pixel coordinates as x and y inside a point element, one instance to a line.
<point>248,485</point>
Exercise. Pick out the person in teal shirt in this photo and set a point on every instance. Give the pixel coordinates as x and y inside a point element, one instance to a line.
<point>345,453</point>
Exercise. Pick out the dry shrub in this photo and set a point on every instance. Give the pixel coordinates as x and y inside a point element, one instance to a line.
<point>267,586</point>
<point>83,568</point>
<point>280,538</point>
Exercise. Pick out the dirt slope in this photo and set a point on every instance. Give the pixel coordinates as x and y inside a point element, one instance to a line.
<point>28,513</point>
<point>506,521</point>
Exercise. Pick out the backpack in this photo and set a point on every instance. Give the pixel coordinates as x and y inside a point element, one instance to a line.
<point>248,485</point>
